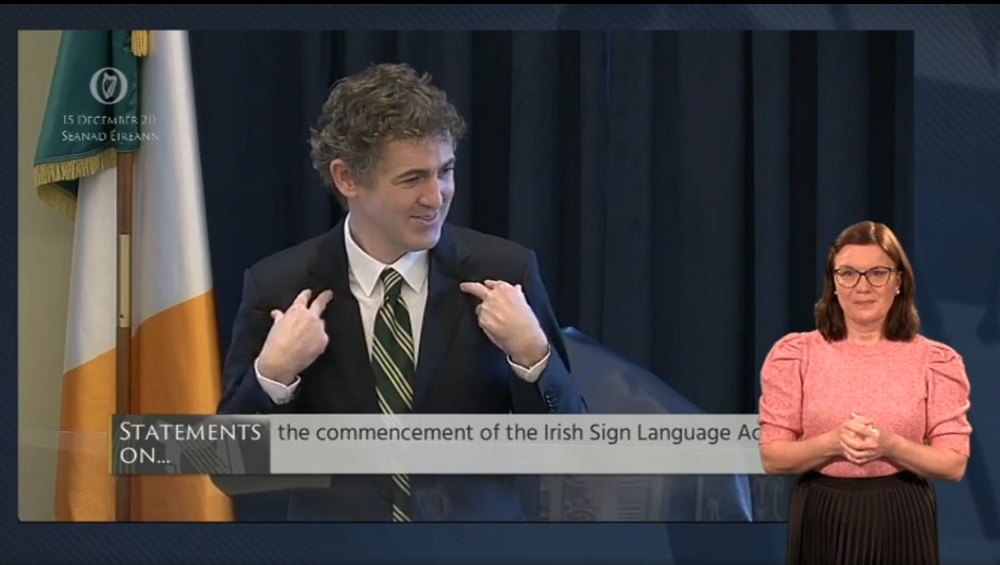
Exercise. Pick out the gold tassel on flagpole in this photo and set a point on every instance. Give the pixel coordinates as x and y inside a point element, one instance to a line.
<point>140,42</point>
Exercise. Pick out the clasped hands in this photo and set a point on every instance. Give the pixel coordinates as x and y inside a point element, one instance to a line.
<point>861,442</point>
<point>298,335</point>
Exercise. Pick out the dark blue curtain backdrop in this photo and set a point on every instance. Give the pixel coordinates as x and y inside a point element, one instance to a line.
<point>680,189</point>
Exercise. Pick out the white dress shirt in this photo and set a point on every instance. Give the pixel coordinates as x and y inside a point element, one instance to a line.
<point>364,273</point>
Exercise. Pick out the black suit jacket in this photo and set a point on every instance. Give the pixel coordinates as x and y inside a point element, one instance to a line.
<point>460,371</point>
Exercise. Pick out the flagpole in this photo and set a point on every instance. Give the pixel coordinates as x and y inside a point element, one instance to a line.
<point>123,347</point>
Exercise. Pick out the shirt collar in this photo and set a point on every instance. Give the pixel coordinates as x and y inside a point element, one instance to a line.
<point>366,270</point>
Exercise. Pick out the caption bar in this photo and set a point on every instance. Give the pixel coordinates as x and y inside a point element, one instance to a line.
<point>447,444</point>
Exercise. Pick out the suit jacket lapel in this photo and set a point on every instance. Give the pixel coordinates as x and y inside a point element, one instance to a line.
<point>348,350</point>
<point>446,303</point>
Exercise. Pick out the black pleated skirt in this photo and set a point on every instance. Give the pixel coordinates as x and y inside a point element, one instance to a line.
<point>872,521</point>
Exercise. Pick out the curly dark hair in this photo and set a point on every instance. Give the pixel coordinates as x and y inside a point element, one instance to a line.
<point>383,103</point>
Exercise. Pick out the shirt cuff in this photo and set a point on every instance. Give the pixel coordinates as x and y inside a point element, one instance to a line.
<point>532,374</point>
<point>279,393</point>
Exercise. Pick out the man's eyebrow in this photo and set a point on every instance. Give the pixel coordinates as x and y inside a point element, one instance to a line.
<point>410,172</point>
<point>421,172</point>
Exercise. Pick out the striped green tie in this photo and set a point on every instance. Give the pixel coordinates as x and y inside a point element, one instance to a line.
<point>392,360</point>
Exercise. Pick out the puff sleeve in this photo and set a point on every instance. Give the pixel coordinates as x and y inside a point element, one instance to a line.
<point>780,406</point>
<point>948,390</point>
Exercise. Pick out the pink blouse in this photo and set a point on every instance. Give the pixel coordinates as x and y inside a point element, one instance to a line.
<point>918,390</point>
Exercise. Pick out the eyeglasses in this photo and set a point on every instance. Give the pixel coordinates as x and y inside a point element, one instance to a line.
<point>877,276</point>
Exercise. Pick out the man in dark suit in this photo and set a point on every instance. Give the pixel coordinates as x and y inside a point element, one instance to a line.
<point>395,311</point>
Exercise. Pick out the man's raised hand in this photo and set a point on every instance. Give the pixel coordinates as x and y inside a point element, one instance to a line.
<point>296,339</point>
<point>507,319</point>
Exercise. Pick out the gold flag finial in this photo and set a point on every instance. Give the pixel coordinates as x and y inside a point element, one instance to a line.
<point>140,42</point>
